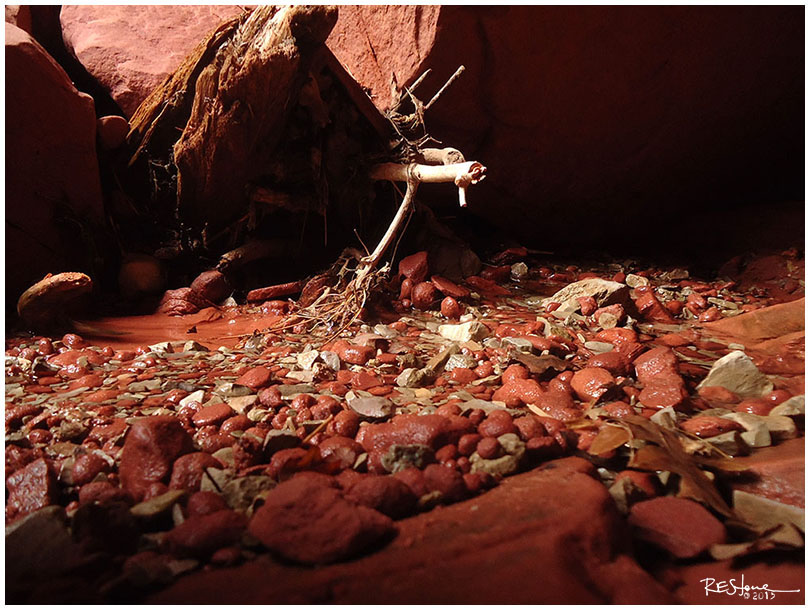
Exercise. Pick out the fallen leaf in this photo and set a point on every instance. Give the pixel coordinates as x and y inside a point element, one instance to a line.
<point>608,439</point>
<point>538,365</point>
<point>667,453</point>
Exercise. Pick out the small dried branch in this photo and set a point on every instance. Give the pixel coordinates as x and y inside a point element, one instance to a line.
<point>449,82</point>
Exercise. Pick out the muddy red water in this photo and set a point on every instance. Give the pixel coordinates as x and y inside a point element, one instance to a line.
<point>210,327</point>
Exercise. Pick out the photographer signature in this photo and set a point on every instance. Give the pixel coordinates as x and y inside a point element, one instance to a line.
<point>730,587</point>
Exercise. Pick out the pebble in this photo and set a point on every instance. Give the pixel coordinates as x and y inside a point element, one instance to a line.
<point>255,378</point>
<point>706,426</point>
<point>187,470</point>
<point>737,373</point>
<point>591,384</point>
<point>150,448</point>
<point>212,415</point>
<point>30,488</point>
<point>423,296</point>
<point>414,267</point>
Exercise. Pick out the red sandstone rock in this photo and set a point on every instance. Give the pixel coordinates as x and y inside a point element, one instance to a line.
<point>30,488</point>
<point>102,492</point>
<point>212,415</point>
<point>204,503</point>
<point>657,371</point>
<point>152,445</point>
<point>448,288</point>
<point>52,131</point>
<point>681,527</point>
<point>256,378</point>
<point>650,307</point>
<point>529,426</point>
<point>447,481</point>
<point>131,49</point>
<point>587,305</point>
<point>211,285</point>
<point>201,535</point>
<point>346,423</point>
<point>414,267</point>
<point>615,362</point>
<point>423,296</point>
<point>351,353</point>
<point>481,553</point>
<point>340,450</point>
<point>112,431</point>
<point>592,383</point>
<point>187,471</point>
<point>496,424</point>
<point>311,523</point>
<point>451,308</point>
<point>383,493</point>
<point>706,426</point>
<point>87,467</point>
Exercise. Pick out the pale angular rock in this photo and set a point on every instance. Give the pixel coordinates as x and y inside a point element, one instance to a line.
<point>634,281</point>
<point>730,443</point>
<point>781,427</point>
<point>372,407</point>
<point>737,372</point>
<point>605,292</point>
<point>459,361</point>
<point>756,431</point>
<point>411,378</point>
<point>468,331</point>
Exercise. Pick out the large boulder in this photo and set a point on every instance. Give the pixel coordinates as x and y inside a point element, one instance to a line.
<point>53,190</point>
<point>131,49</point>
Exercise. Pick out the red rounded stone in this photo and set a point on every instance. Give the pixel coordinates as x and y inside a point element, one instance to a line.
<point>424,295</point>
<point>201,535</point>
<point>86,467</point>
<point>592,383</point>
<point>451,308</point>
<point>489,448</point>
<point>187,471</point>
<point>614,362</point>
<point>212,415</point>
<point>255,378</point>
<point>706,426</point>
<point>496,424</point>
<point>463,376</point>
<point>204,503</point>
<point>383,493</point>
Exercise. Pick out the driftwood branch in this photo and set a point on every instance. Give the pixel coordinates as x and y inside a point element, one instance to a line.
<point>461,174</point>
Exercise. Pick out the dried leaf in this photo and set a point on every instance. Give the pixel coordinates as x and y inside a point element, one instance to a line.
<point>667,453</point>
<point>782,537</point>
<point>608,439</point>
<point>538,365</point>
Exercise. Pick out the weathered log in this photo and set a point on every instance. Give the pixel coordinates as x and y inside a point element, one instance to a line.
<point>231,98</point>
<point>242,101</point>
